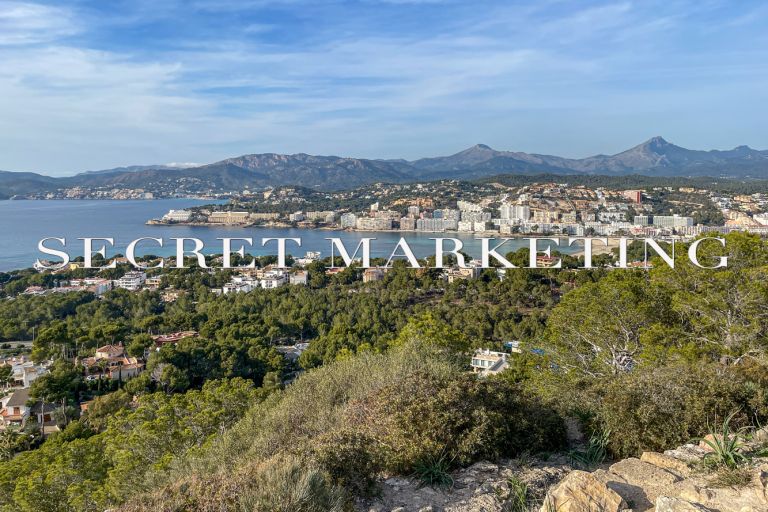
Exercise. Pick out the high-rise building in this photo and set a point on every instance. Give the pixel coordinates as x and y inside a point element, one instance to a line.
<point>672,221</point>
<point>348,220</point>
<point>636,196</point>
<point>520,212</point>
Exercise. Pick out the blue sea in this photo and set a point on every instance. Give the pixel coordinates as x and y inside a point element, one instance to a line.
<point>24,223</point>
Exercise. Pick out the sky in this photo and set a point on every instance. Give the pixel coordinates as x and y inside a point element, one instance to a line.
<point>87,85</point>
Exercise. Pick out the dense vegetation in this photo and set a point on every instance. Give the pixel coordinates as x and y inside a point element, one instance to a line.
<point>648,358</point>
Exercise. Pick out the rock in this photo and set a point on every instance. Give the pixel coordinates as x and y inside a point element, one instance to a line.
<point>428,508</point>
<point>638,482</point>
<point>397,482</point>
<point>726,499</point>
<point>704,443</point>
<point>582,492</point>
<point>761,436</point>
<point>688,453</point>
<point>398,509</point>
<point>482,503</point>
<point>484,467</point>
<point>666,462</point>
<point>668,504</point>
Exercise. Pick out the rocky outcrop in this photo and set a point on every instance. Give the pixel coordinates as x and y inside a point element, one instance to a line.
<point>583,492</point>
<point>674,481</point>
<point>482,487</point>
<point>678,481</point>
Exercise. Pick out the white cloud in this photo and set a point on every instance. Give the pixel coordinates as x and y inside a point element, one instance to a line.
<point>29,23</point>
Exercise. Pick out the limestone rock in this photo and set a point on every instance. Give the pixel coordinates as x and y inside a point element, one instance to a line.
<point>761,435</point>
<point>726,499</point>
<point>638,482</point>
<point>666,462</point>
<point>481,503</point>
<point>709,438</point>
<point>688,453</point>
<point>582,492</point>
<point>668,504</point>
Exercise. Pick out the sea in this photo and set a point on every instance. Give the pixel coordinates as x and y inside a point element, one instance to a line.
<point>23,223</point>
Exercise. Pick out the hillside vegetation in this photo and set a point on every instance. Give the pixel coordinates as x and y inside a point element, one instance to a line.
<point>644,360</point>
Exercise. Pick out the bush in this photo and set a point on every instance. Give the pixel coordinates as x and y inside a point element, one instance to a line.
<point>351,458</point>
<point>396,412</point>
<point>457,420</point>
<point>660,408</point>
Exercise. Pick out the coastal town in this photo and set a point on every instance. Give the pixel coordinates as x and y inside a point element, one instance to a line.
<point>538,208</point>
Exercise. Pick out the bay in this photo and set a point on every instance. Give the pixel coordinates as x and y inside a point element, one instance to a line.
<point>24,223</point>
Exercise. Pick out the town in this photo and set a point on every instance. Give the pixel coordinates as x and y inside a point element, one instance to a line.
<point>536,208</point>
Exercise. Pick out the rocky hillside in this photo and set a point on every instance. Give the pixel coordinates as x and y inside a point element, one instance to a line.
<point>678,480</point>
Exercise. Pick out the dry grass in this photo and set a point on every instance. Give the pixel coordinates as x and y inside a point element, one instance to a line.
<point>727,477</point>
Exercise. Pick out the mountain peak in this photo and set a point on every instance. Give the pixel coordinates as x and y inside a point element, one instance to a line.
<point>656,141</point>
<point>482,146</point>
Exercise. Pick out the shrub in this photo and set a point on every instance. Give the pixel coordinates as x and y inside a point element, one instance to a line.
<point>659,408</point>
<point>351,459</point>
<point>397,412</point>
<point>460,420</point>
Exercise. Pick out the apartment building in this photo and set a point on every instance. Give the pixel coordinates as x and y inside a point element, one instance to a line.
<point>177,216</point>
<point>229,218</point>
<point>131,280</point>
<point>374,223</point>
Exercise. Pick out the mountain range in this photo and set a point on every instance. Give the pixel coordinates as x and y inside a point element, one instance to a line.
<point>655,157</point>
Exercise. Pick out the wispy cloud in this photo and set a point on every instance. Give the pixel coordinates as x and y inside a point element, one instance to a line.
<point>144,82</point>
<point>29,23</point>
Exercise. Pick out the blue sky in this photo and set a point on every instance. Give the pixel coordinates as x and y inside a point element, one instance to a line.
<point>97,84</point>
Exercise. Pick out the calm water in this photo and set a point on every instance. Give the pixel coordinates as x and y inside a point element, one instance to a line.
<point>24,223</point>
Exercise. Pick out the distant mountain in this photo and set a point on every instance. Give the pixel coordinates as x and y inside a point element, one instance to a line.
<point>325,172</point>
<point>136,168</point>
<point>655,157</point>
<point>13,183</point>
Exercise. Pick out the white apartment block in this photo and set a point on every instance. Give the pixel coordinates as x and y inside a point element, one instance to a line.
<point>515,212</point>
<point>229,218</point>
<point>348,220</point>
<point>131,280</point>
<point>264,216</point>
<point>177,216</point>
<point>435,225</point>
<point>374,223</point>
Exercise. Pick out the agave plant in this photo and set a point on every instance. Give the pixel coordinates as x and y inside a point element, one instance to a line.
<point>596,452</point>
<point>725,445</point>
<point>434,471</point>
